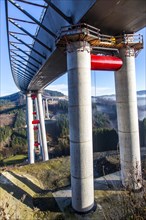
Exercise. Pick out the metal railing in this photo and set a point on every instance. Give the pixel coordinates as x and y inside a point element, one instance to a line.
<point>96,39</point>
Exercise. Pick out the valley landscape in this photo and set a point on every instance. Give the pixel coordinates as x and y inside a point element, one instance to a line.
<point>36,187</point>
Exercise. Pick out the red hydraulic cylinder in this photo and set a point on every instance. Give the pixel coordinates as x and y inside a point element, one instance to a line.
<point>33,96</point>
<point>36,121</point>
<point>108,63</point>
<point>36,144</point>
<point>35,128</point>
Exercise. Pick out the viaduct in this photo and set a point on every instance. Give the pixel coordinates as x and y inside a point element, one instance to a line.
<point>77,37</point>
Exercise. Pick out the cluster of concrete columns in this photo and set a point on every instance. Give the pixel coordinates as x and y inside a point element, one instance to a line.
<point>80,122</point>
<point>45,108</point>
<point>39,120</point>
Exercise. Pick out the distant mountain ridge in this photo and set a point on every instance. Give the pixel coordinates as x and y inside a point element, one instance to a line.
<point>141,92</point>
<point>106,101</point>
<point>16,97</point>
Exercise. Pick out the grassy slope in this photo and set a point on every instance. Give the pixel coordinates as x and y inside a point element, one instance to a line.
<point>14,159</point>
<point>49,175</point>
<point>54,174</point>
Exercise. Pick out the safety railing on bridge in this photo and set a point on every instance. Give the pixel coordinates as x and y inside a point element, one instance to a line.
<point>92,35</point>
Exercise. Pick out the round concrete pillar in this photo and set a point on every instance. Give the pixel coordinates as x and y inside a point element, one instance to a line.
<point>44,110</point>
<point>42,127</point>
<point>80,124</point>
<point>127,115</point>
<point>39,128</point>
<point>30,131</point>
<point>47,110</point>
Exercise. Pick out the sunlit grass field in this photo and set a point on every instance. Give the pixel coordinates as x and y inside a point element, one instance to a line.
<point>14,159</point>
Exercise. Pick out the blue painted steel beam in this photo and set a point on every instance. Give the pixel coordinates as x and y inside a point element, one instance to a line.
<point>68,19</point>
<point>21,20</point>
<point>22,71</point>
<point>24,59</point>
<point>24,64</point>
<point>31,3</point>
<point>30,35</point>
<point>21,67</point>
<point>20,75</point>
<point>19,49</point>
<point>32,18</point>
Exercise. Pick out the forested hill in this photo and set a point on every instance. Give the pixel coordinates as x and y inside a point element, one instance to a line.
<point>19,98</point>
<point>142,92</point>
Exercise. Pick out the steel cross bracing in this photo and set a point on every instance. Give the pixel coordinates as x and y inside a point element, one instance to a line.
<point>24,67</point>
<point>54,26</point>
<point>34,56</point>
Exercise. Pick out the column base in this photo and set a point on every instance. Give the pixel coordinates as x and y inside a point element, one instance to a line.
<point>88,210</point>
<point>137,190</point>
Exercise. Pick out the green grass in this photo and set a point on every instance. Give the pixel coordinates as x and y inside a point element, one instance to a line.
<point>48,175</point>
<point>14,159</point>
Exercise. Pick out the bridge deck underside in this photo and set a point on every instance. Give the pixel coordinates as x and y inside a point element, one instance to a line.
<point>115,16</point>
<point>112,17</point>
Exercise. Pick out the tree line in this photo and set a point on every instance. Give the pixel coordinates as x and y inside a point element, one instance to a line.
<point>17,143</point>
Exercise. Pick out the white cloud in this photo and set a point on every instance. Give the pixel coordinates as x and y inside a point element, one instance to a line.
<point>7,92</point>
<point>98,91</point>
<point>59,87</point>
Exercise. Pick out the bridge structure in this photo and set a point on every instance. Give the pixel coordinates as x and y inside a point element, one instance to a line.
<point>77,37</point>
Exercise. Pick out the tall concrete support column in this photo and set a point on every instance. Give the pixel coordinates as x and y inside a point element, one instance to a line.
<point>39,129</point>
<point>128,130</point>
<point>80,123</point>
<point>42,127</point>
<point>47,111</point>
<point>30,131</point>
<point>44,110</point>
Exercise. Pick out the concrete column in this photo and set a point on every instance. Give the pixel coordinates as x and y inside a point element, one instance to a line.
<point>47,111</point>
<point>80,124</point>
<point>42,126</point>
<point>39,129</point>
<point>44,110</point>
<point>127,115</point>
<point>30,131</point>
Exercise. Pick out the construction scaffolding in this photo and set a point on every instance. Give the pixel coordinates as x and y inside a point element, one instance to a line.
<point>92,35</point>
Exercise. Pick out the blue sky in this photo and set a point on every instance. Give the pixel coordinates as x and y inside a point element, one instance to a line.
<point>104,80</point>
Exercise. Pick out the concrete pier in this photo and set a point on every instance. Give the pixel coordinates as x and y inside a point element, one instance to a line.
<point>30,131</point>
<point>42,127</point>
<point>44,110</point>
<point>80,123</point>
<point>47,111</point>
<point>39,128</point>
<point>128,130</point>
